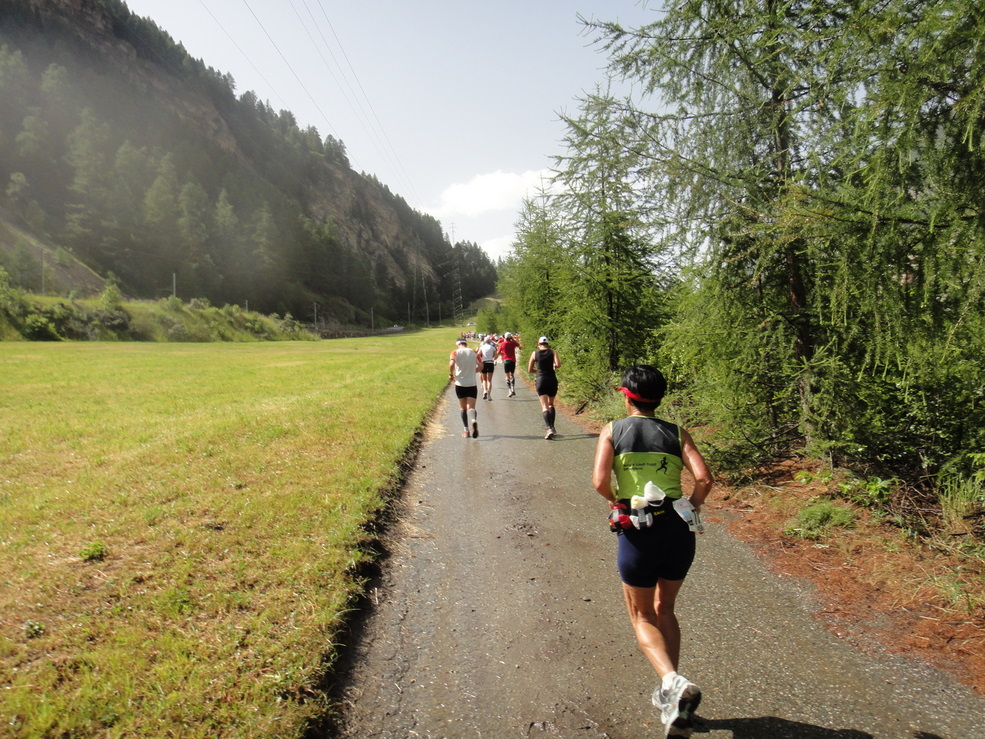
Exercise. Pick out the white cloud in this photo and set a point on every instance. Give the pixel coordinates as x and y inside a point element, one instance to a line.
<point>497,191</point>
<point>499,247</point>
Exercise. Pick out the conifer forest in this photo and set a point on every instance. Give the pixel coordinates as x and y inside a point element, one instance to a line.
<point>785,214</point>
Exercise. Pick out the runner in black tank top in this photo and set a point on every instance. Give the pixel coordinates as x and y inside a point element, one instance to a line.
<point>546,361</point>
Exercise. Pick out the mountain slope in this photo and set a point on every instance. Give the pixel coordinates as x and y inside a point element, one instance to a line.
<point>140,161</point>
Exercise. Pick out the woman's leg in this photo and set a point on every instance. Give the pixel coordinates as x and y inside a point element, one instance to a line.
<point>651,611</point>
<point>547,411</point>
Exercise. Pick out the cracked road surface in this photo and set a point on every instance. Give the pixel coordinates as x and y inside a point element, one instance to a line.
<point>499,613</point>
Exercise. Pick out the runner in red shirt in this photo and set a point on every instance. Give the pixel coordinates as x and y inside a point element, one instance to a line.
<point>507,350</point>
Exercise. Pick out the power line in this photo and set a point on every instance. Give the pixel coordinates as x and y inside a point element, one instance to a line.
<point>245,55</point>
<point>152,53</point>
<point>369,102</point>
<point>376,133</point>
<point>369,121</point>
<point>360,112</point>
<point>382,131</point>
<point>296,76</point>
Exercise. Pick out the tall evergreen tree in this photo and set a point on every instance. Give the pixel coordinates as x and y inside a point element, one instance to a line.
<point>14,86</point>
<point>194,210</point>
<point>808,154</point>
<point>133,173</point>
<point>612,300</point>
<point>89,155</point>
<point>534,276</point>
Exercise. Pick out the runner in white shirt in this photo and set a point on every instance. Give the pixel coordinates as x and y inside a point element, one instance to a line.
<point>487,355</point>
<point>462,366</point>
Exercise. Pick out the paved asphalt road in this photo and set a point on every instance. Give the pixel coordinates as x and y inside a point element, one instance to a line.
<point>499,614</point>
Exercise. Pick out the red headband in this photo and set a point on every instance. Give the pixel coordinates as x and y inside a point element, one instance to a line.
<point>633,396</point>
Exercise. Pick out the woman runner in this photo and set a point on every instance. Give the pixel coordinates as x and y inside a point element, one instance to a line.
<point>646,456</point>
<point>546,360</point>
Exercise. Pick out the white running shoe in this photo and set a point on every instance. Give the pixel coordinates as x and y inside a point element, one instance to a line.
<point>677,705</point>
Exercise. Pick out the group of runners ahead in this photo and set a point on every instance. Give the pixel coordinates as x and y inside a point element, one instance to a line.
<point>544,360</point>
<point>637,470</point>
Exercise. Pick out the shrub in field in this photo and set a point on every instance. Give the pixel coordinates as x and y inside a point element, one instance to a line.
<point>94,552</point>
<point>817,520</point>
<point>39,328</point>
<point>112,298</point>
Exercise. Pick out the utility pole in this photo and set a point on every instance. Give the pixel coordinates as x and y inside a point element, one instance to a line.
<point>413,296</point>
<point>174,284</point>
<point>457,295</point>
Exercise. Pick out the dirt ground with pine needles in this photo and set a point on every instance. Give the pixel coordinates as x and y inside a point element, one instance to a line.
<point>876,587</point>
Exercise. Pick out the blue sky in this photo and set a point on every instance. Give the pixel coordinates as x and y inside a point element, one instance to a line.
<point>452,103</point>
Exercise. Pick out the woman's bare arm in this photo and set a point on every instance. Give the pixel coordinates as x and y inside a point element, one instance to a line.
<point>695,464</point>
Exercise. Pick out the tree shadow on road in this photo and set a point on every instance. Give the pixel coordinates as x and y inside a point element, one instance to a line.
<point>528,437</point>
<point>771,727</point>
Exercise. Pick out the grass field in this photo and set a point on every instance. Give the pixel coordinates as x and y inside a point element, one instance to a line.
<point>181,524</point>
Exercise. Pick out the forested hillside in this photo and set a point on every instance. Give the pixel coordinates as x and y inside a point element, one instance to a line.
<point>121,152</point>
<point>788,219</point>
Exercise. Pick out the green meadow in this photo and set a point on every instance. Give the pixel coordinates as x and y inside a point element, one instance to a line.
<point>182,525</point>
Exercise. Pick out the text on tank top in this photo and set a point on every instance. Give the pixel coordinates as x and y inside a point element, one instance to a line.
<point>646,450</point>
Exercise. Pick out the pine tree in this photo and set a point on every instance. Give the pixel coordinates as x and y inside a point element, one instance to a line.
<point>89,156</point>
<point>612,301</point>
<point>819,163</point>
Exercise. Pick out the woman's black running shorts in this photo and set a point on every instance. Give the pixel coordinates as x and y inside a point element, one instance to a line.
<point>547,385</point>
<point>665,550</point>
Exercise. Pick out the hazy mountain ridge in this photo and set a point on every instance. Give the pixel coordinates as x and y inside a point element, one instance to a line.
<point>300,225</point>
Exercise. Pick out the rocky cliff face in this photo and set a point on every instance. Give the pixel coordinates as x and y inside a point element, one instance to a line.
<point>94,25</point>
<point>334,193</point>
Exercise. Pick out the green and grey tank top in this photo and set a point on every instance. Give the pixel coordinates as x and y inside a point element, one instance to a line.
<point>646,450</point>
